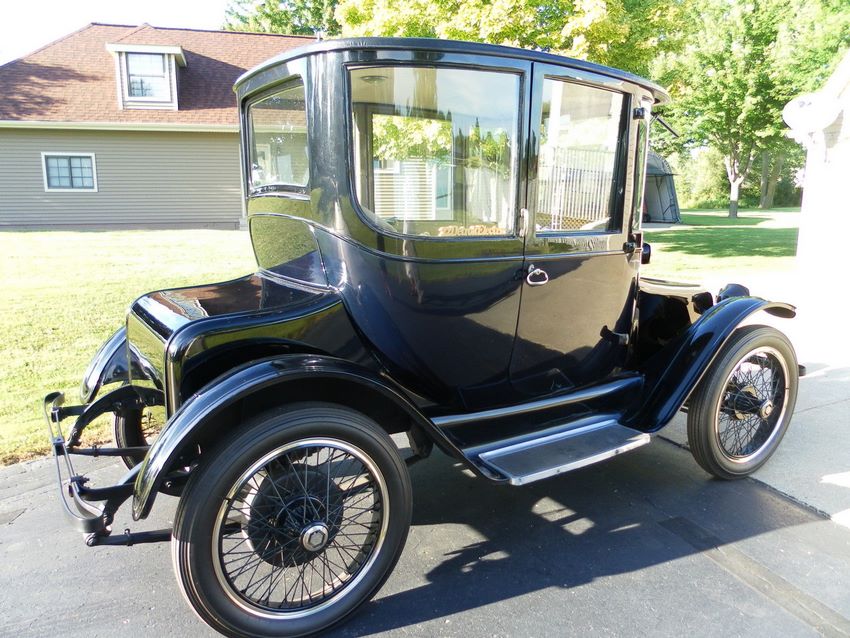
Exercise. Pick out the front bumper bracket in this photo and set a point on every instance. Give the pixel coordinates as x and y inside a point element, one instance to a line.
<point>91,510</point>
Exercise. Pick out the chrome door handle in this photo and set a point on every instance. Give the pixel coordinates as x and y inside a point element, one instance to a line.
<point>536,276</point>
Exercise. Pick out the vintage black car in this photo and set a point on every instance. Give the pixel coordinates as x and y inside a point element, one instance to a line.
<point>448,244</point>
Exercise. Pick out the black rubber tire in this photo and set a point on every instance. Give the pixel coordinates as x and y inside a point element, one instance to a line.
<point>703,405</point>
<point>127,432</point>
<point>219,471</point>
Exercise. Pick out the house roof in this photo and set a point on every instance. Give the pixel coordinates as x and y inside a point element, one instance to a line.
<point>74,78</point>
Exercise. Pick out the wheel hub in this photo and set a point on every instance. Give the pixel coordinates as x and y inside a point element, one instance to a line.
<point>766,409</point>
<point>290,531</point>
<point>746,402</point>
<point>314,537</point>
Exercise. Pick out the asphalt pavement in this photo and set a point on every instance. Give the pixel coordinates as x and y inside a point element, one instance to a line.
<point>644,544</point>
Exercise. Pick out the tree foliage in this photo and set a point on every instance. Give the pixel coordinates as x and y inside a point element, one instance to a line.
<point>623,33</point>
<point>742,62</point>
<point>291,17</point>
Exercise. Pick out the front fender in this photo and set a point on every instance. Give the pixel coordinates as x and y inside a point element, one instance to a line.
<point>112,363</point>
<point>202,408</point>
<point>673,373</point>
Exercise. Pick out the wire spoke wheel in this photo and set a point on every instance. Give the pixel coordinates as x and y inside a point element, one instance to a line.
<point>299,526</point>
<point>753,403</point>
<point>137,428</point>
<point>289,525</point>
<point>741,409</point>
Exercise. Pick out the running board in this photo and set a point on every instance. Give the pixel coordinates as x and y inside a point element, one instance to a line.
<point>532,460</point>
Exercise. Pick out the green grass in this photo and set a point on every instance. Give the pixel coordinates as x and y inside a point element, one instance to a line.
<point>712,219</point>
<point>63,293</point>
<point>710,245</point>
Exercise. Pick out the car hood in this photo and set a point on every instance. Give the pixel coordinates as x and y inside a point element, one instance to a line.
<point>176,324</point>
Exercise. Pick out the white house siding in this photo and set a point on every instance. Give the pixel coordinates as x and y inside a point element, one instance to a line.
<point>144,179</point>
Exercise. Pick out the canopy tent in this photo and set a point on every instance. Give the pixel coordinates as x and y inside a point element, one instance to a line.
<point>660,202</point>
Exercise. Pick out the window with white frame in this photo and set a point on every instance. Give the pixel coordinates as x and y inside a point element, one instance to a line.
<point>69,172</point>
<point>148,76</point>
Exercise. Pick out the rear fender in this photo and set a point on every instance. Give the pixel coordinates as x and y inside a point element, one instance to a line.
<point>210,414</point>
<point>673,372</point>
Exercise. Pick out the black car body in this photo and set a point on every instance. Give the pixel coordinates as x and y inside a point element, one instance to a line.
<point>448,244</point>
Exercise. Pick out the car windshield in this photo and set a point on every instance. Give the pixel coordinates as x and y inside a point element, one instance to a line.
<point>435,149</point>
<point>278,127</point>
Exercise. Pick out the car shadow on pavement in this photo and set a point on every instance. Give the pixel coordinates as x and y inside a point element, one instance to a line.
<point>492,543</point>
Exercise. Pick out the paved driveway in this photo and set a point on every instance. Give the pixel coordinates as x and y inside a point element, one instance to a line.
<point>645,544</point>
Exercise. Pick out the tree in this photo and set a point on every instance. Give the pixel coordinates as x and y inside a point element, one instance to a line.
<point>721,86</point>
<point>291,17</point>
<point>622,33</point>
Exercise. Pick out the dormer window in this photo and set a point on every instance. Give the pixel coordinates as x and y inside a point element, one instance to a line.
<point>147,75</point>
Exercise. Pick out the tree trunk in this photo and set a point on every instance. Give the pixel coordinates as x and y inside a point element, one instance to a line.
<point>765,178</point>
<point>773,179</point>
<point>737,173</point>
<point>734,187</point>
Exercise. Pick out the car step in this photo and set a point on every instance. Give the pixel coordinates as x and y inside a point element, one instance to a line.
<point>531,460</point>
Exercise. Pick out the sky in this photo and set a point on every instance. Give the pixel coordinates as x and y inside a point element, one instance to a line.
<point>28,25</point>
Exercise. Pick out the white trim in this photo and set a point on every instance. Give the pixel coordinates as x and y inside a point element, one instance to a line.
<point>176,51</point>
<point>120,126</point>
<point>47,189</point>
<point>118,74</point>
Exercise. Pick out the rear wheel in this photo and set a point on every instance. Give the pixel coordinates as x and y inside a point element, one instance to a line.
<point>290,526</point>
<point>742,407</point>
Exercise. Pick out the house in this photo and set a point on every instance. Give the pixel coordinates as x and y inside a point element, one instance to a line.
<point>122,126</point>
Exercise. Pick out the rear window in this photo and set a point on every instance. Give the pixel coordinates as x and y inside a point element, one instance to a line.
<point>278,140</point>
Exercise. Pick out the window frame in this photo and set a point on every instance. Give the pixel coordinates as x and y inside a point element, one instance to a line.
<point>618,201</point>
<point>68,154</point>
<point>292,190</point>
<point>518,68</point>
<point>167,61</point>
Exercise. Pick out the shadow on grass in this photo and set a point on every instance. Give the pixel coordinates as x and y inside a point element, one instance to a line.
<point>730,242</point>
<point>704,219</point>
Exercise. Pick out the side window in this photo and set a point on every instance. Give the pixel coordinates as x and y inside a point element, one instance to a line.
<point>580,137</point>
<point>278,145</point>
<point>436,149</point>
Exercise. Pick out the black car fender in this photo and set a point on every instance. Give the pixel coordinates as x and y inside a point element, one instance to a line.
<point>207,415</point>
<point>114,362</point>
<point>673,372</point>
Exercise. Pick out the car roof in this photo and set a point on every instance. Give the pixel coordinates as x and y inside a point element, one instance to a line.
<point>453,46</point>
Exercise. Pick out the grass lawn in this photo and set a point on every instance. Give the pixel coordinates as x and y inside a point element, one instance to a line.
<point>64,293</point>
<point>708,246</point>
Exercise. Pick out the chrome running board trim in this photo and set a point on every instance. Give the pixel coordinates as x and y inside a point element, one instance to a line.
<point>576,396</point>
<point>561,452</point>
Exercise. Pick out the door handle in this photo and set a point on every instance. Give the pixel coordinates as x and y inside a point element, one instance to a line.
<point>536,276</point>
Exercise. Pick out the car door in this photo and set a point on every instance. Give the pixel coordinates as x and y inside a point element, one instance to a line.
<point>429,269</point>
<point>580,265</point>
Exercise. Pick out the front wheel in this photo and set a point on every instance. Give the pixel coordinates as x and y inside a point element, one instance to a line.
<point>742,407</point>
<point>294,523</point>
<point>137,428</point>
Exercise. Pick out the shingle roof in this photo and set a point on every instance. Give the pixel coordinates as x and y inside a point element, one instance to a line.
<point>73,79</point>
